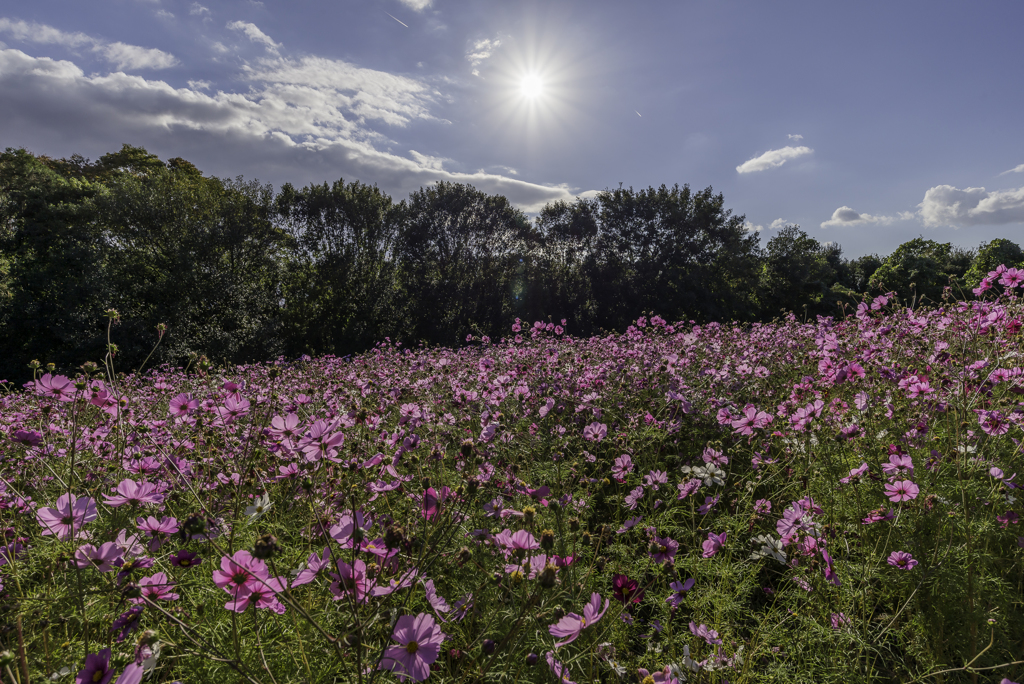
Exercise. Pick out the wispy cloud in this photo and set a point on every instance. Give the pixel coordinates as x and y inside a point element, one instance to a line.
<point>778,223</point>
<point>31,32</point>
<point>945,205</point>
<point>164,14</point>
<point>122,55</point>
<point>795,136</point>
<point>845,216</point>
<point>254,34</point>
<point>198,10</point>
<point>751,227</point>
<point>199,85</point>
<point>304,121</point>
<point>481,51</point>
<point>772,159</point>
<point>126,56</point>
<point>1017,169</point>
<point>418,5</point>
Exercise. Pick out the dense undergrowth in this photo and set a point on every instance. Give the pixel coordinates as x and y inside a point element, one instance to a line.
<point>790,502</point>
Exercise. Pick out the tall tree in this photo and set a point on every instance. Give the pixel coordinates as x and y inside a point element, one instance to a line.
<point>341,293</point>
<point>797,274</point>
<point>456,249</point>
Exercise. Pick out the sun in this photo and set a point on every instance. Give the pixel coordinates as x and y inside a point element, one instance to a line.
<point>531,86</point>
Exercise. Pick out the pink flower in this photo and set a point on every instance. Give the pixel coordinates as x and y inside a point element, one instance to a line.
<point>558,669</point>
<point>857,473</point>
<point>156,588</point>
<point>419,643</point>
<point>713,543</point>
<point>240,574</point>
<point>97,669</point>
<point>572,624</point>
<point>314,564</point>
<point>102,559</point>
<point>158,530</point>
<point>901,560</point>
<point>263,595</point>
<point>518,540</point>
<point>898,463</point>
<point>182,405</point>
<point>595,432</point>
<point>351,579</point>
<point>56,386</point>
<point>901,490</point>
<point>321,441</point>
<point>68,517</point>
<point>135,493</point>
<point>663,549</point>
<point>679,588</point>
<point>751,419</point>
<point>704,632</point>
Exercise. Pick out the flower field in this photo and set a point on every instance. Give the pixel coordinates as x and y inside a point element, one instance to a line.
<point>819,501</point>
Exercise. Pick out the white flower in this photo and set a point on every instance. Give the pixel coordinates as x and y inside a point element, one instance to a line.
<point>769,546</point>
<point>261,506</point>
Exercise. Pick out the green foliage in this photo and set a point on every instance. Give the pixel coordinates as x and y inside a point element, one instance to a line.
<point>797,273</point>
<point>989,256</point>
<point>920,269</point>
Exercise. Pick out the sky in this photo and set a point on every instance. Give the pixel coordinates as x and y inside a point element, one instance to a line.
<point>866,123</point>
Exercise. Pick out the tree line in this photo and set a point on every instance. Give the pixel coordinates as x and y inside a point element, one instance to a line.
<point>240,273</point>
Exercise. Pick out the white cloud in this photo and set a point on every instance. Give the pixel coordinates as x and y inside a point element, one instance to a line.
<point>752,227</point>
<point>126,56</point>
<point>32,32</point>
<point>199,85</point>
<point>845,216</point>
<point>290,129</point>
<point>795,136</point>
<point>778,223</point>
<point>481,50</point>
<point>253,33</point>
<point>164,14</point>
<point>1017,169</point>
<point>198,10</point>
<point>219,47</point>
<point>945,205</point>
<point>772,159</point>
<point>428,162</point>
<point>123,55</point>
<point>418,5</point>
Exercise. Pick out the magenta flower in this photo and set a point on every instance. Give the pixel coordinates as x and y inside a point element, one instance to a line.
<point>158,530</point>
<point>321,441</point>
<point>857,473</point>
<point>68,517</point>
<point>829,569</point>
<point>263,595</point>
<point>558,669</point>
<point>102,559</point>
<point>704,632</point>
<point>182,405</point>
<point>234,407</point>
<point>572,624</point>
<point>97,669</point>
<point>623,466</point>
<point>314,564</point>
<point>134,493</point>
<point>185,559</point>
<point>351,579</point>
<point>713,543</point>
<point>240,575</point>
<point>625,589</point>
<point>679,589</point>
<point>520,540</point>
<point>901,560</point>
<point>156,588</point>
<point>57,386</point>
<point>663,549</point>
<point>901,490</point>
<point>419,643</point>
<point>898,464</point>
<point>751,419</point>
<point>595,432</point>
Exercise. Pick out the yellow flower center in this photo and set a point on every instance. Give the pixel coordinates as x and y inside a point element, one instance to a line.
<point>412,647</point>
<point>97,676</point>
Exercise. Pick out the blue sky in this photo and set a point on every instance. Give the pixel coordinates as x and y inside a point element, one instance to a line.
<point>867,123</point>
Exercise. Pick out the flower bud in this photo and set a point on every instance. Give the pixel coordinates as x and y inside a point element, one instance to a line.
<point>465,555</point>
<point>393,536</point>
<point>488,646</point>
<point>547,577</point>
<point>532,659</point>
<point>547,539</point>
<point>574,524</point>
<point>528,514</point>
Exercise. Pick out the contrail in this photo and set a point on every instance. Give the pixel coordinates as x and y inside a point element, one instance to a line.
<point>638,114</point>
<point>396,18</point>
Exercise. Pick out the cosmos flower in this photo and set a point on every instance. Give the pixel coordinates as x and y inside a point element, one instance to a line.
<point>419,644</point>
